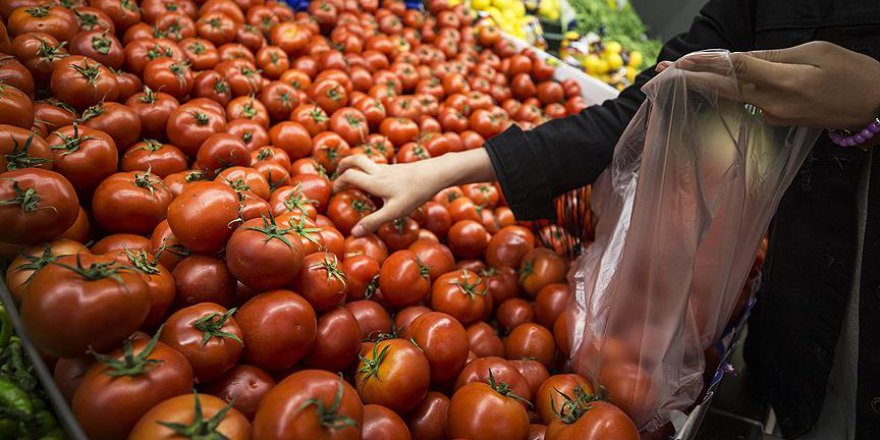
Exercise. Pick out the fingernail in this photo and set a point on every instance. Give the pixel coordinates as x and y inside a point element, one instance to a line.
<point>357,231</point>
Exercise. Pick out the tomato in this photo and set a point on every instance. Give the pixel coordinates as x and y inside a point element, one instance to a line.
<point>117,120</point>
<point>227,7</point>
<point>291,137</point>
<point>502,370</point>
<point>68,373</point>
<point>575,105</point>
<point>200,413</point>
<point>266,320</point>
<point>484,341</point>
<point>180,181</point>
<point>372,318</point>
<point>628,386</point>
<point>271,154</point>
<point>373,111</point>
<point>361,273</point>
<point>80,231</point>
<point>350,124</point>
<point>483,411</point>
<point>38,52</point>
<point>162,159</point>
<point>90,18</point>
<point>208,336</point>
<point>16,75</point>
<point>503,283</point>
<point>82,82</point>
<point>212,85</point>
<point>348,207</point>
<point>160,282</point>
<point>55,20</point>
<point>170,76</point>
<point>403,279</point>
<point>406,316</point>
<point>381,423</point>
<point>514,312</point>
<point>312,117</point>
<point>369,245</point>
<point>310,404</point>
<point>244,386</point>
<point>221,151</point>
<point>188,127</point>
<point>468,239</point>
<point>530,340</point>
<point>100,46</point>
<point>247,107</point>
<point>551,301</point>
<point>399,130</point>
<point>444,342</point>
<point>508,247</point>
<point>122,386</point>
<point>434,217</point>
<point>83,155</point>
<point>275,173</point>
<point>428,420</point>
<point>532,371</point>
<point>290,37</point>
<point>412,152</point>
<point>553,389</point>
<point>35,205</point>
<point>321,281</point>
<point>200,217</point>
<point>399,234</point>
<point>154,110</point>
<point>131,202</point>
<point>124,13</point>
<point>200,278</point>
<point>120,242</point>
<point>393,373</point>
<point>33,259</point>
<point>462,294</point>
<point>539,268</point>
<point>337,343</point>
<point>50,115</point>
<point>589,419</point>
<point>435,256</point>
<point>251,132</point>
<point>328,94</point>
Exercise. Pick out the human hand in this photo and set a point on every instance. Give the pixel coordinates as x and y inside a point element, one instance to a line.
<point>816,84</point>
<point>404,187</point>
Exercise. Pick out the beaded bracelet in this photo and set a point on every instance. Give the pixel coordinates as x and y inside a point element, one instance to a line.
<point>847,139</point>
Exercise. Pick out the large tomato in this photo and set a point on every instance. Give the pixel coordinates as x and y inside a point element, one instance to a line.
<point>584,418</point>
<point>513,312</point>
<point>437,257</point>
<point>200,413</point>
<point>154,110</point>
<point>132,202</point>
<point>82,82</point>
<point>482,411</point>
<point>120,122</point>
<point>83,155</point>
<point>120,242</point>
<point>381,423</point>
<point>159,158</point>
<point>530,340</point>
<point>534,372</point>
<point>35,205</point>
<point>337,343</point>
<point>462,294</point>
<point>200,217</point>
<point>539,268</point>
<point>266,321</point>
<point>404,280</point>
<point>208,336</point>
<point>321,281</point>
<point>173,77</point>
<point>502,370</point>
<point>369,245</point>
<point>468,239</point>
<point>551,394</point>
<point>55,20</point>
<point>361,274</point>
<point>33,259</point>
<point>444,341</point>
<point>628,386</point>
<point>244,386</point>
<point>123,385</point>
<point>16,108</point>
<point>348,207</point>
<point>220,151</point>
<point>50,115</point>
<point>393,373</point>
<point>483,340</point>
<point>159,280</point>
<point>310,404</point>
<point>188,126</point>
<point>509,245</point>
<point>427,421</point>
<point>200,278</point>
<point>399,234</point>
<point>503,283</point>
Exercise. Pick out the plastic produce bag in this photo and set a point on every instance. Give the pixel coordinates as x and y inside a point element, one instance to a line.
<point>692,187</point>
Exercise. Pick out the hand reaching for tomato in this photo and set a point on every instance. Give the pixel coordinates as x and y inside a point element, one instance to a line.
<point>404,187</point>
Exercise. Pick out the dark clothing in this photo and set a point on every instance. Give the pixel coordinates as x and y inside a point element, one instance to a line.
<point>794,330</point>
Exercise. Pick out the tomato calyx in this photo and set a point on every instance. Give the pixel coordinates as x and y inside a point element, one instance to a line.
<point>178,250</point>
<point>96,271</point>
<point>318,115</point>
<point>371,364</point>
<point>89,72</point>
<point>179,69</point>
<point>329,417</point>
<point>101,43</point>
<point>131,365</point>
<point>299,228</point>
<point>526,270</point>
<point>573,407</point>
<point>271,230</point>
<point>92,112</point>
<point>362,206</point>
<point>87,21</point>
<point>221,86</point>
<point>147,180</point>
<point>330,263</point>
<point>372,288</point>
<point>296,200</point>
<point>38,11</point>
<point>212,327</point>
<point>35,264</point>
<point>200,429</point>
<point>424,271</point>
<point>149,96</point>
<point>505,390</point>
<point>197,47</point>
<point>200,117</point>
<point>159,50</point>
<point>19,158</point>
<point>470,289</point>
<point>195,176</point>
<point>399,224</point>
<point>29,199</point>
<point>49,52</point>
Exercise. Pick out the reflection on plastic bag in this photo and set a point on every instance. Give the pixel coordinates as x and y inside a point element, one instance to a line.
<point>693,185</point>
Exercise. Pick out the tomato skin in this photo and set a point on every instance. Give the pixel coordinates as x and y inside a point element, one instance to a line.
<point>99,45</point>
<point>514,312</point>
<point>381,423</point>
<point>244,385</point>
<point>68,374</point>
<point>186,330</point>
<point>200,278</point>
<point>82,82</point>
<point>474,404</point>
<point>428,420</point>
<point>399,234</point>
<point>403,280</point>
<point>534,372</point>
<point>120,242</point>
<point>372,318</point>
<point>265,321</point>
<point>117,120</point>
<point>462,294</point>
<point>124,13</point>
<point>483,340</point>
<point>16,108</point>
<point>132,202</point>
<point>220,151</point>
<point>200,217</point>
<point>539,268</point>
<point>161,159</point>
<point>530,340</point>
<point>55,20</point>
<point>550,303</point>
<point>83,155</point>
<point>477,370</point>
<point>154,110</point>
<point>52,213</point>
<point>172,76</point>
<point>603,420</point>
<point>292,137</point>
<point>444,342</point>
<point>108,407</point>
<point>360,272</point>
<point>337,343</point>
<point>33,259</point>
<point>320,281</point>
<point>181,409</point>
<point>393,373</point>
<point>437,257</point>
<point>188,127</point>
<point>348,207</point>
<point>547,392</point>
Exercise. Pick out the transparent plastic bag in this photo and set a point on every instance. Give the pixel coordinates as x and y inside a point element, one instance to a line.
<point>693,184</point>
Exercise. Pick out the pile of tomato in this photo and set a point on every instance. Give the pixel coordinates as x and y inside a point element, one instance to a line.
<point>181,259</point>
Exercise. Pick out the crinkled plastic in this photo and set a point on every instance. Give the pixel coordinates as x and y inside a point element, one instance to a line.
<point>692,187</point>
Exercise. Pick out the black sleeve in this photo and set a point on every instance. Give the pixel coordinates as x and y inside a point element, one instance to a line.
<point>535,166</point>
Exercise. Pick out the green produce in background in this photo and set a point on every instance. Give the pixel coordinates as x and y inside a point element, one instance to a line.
<point>619,23</point>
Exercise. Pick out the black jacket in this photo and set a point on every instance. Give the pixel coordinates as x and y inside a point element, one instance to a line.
<point>795,328</point>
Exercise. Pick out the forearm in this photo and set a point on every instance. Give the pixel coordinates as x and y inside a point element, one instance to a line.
<point>460,168</point>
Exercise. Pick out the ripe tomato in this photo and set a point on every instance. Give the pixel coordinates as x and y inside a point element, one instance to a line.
<point>476,403</point>
<point>160,282</point>
<point>502,370</point>
<point>348,207</point>
<point>403,280</point>
<point>428,420</point>
<point>399,234</point>
<point>55,20</point>
<point>508,247</point>
<point>551,394</point>
<point>221,151</point>
<point>444,342</point>
<point>265,321</point>
<point>321,281</point>
<point>434,217</point>
<point>393,373</point>
<point>539,268</point>
<point>463,295</point>
<point>468,239</point>
<point>399,130</point>
<point>160,158</point>
<point>154,110</point>
<point>199,278</point>
<point>244,386</point>
<point>369,245</point>
<point>372,318</point>
<point>208,336</point>
<point>503,283</point>
<point>33,259</point>
<point>83,155</point>
<point>122,386</point>
<point>337,343</point>
<point>16,108</point>
<point>131,202</point>
<point>437,257</point>
<point>292,137</point>
<point>212,85</point>
<point>532,371</point>
<point>361,273</point>
<point>530,340</point>
<point>312,404</point>
<point>189,126</point>
<point>82,82</point>
<point>412,152</point>
<point>99,45</point>
<point>463,208</point>
<point>117,120</point>
<point>35,205</point>
<point>551,301</point>
<point>200,217</point>
<point>124,13</point>
<point>120,242</point>
<point>68,373</point>
<point>171,76</point>
<point>350,124</point>
<point>328,149</point>
<point>483,340</point>
<point>200,413</point>
<point>50,115</point>
<point>590,419</point>
<point>513,312</point>
<point>312,117</point>
<point>629,387</point>
<point>180,181</point>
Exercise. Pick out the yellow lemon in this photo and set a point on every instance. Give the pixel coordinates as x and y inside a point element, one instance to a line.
<point>593,64</point>
<point>631,73</point>
<point>613,47</point>
<point>615,61</point>
<point>636,58</point>
<point>481,5</point>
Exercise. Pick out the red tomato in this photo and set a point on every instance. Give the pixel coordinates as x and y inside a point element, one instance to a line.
<point>428,420</point>
<point>55,20</point>
<point>539,268</point>
<point>393,373</point>
<point>629,387</point>
<point>551,394</point>
<point>117,242</point>
<point>502,370</point>
<point>199,413</point>
<point>444,342</point>
<point>154,110</point>
<point>106,302</point>
<point>265,321</point>
<point>321,281</point>
<point>483,340</point>
<point>361,273</point>
<point>131,202</point>
<point>208,336</point>
<point>468,239</point>
<point>399,234</point>
<point>406,316</point>
<point>463,295</point>
<point>437,257</point>
<point>476,403</point>
<point>245,179</point>
<point>508,247</point>
<point>33,259</point>
<point>404,280</point>
<point>280,99</point>
<point>372,318</point>
<point>68,373</point>
<point>244,386</point>
<point>160,158</point>
<point>348,207</point>
<point>530,340</point>
<point>83,155</point>
<point>381,423</point>
<point>130,381</point>
<point>350,124</point>
<point>83,82</point>
<point>160,282</point>
<point>551,301</point>
<point>200,217</point>
<point>37,205</point>
<point>199,278</point>
<point>250,132</point>
<point>189,126</point>
<point>337,343</point>
<point>399,130</point>
<point>503,283</point>
<point>532,371</point>
<point>589,419</point>
<point>514,312</point>
<point>369,245</point>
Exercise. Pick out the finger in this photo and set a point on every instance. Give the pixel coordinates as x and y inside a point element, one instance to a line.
<point>356,178</point>
<point>802,54</point>
<point>740,65</point>
<point>663,65</point>
<point>372,222</point>
<point>357,161</point>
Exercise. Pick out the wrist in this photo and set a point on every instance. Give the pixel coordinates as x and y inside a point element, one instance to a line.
<point>464,167</point>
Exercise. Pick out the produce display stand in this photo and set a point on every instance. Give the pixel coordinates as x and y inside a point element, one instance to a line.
<point>62,410</point>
